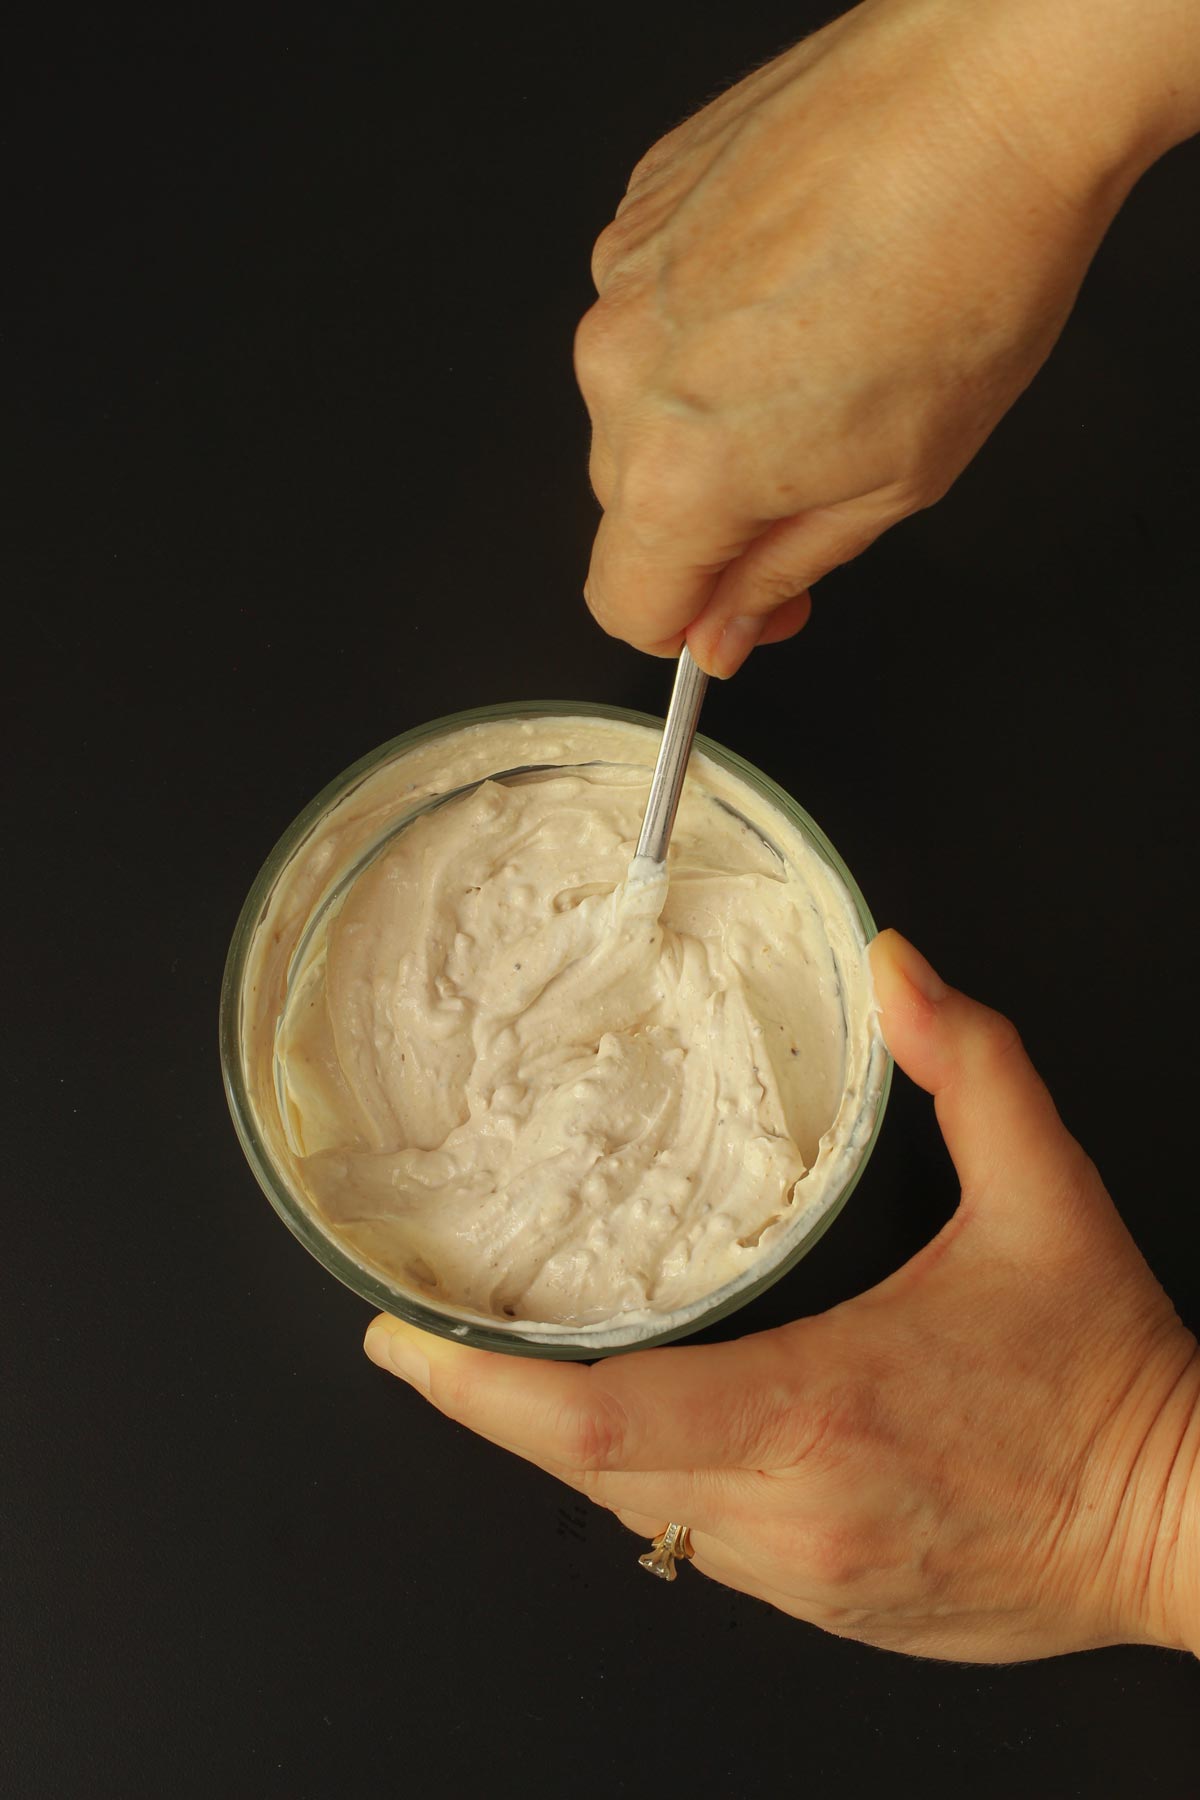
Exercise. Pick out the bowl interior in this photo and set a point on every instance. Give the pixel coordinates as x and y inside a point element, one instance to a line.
<point>327,848</point>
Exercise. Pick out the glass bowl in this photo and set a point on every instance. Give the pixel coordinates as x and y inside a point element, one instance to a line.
<point>333,840</point>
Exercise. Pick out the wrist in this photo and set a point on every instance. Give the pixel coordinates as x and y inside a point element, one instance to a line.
<point>1182,1549</point>
<point>1101,88</point>
<point>1134,1570</point>
<point>1158,1530</point>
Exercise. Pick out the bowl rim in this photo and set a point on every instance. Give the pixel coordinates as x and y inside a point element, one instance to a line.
<point>560,1343</point>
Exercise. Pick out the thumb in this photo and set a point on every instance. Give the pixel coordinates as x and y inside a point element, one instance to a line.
<point>1001,1127</point>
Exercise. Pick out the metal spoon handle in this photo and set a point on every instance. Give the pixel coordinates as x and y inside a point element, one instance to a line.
<point>671,767</point>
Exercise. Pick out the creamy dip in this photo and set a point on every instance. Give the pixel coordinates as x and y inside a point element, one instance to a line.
<point>527,1084</point>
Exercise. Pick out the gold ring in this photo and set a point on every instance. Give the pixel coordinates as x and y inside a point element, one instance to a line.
<point>670,1546</point>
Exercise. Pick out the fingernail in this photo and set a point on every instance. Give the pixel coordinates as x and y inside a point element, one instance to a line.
<point>919,973</point>
<point>392,1348</point>
<point>735,644</point>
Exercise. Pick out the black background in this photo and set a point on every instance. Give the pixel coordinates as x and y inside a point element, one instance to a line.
<point>299,464</point>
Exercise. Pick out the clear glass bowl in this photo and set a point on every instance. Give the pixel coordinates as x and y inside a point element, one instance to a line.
<point>313,861</point>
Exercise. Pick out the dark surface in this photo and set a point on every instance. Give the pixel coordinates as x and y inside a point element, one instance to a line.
<point>301,464</point>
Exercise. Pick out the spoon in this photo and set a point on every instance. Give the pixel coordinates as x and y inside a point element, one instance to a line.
<point>674,751</point>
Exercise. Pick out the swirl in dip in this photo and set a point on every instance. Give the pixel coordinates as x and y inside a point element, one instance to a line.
<point>529,1084</point>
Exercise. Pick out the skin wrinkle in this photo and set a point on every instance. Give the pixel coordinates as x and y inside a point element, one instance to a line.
<point>1133,1524</point>
<point>1175,1595</point>
<point>596,1439</point>
<point>837,1419</point>
<point>1057,1512</point>
<point>765,1427</point>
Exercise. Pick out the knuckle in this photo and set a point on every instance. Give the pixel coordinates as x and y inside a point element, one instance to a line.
<point>591,349</point>
<point>606,609</point>
<point>644,169</point>
<point>999,1041</point>
<point>594,1437</point>
<point>837,1555</point>
<point>667,478</point>
<point>774,583</point>
<point>652,161</point>
<point>598,474</point>
<point>602,347</point>
<point>636,208</point>
<point>597,605</point>
<point>609,248</point>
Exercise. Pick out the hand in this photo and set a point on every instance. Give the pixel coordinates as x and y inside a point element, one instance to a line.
<point>822,292</point>
<point>993,1455</point>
